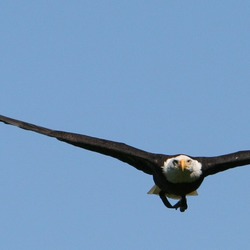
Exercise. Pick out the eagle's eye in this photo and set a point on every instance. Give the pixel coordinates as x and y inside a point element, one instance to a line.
<point>189,161</point>
<point>175,162</point>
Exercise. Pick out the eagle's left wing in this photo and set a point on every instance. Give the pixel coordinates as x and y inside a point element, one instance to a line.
<point>213,165</point>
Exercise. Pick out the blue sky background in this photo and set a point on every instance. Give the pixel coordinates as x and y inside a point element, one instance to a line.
<point>164,76</point>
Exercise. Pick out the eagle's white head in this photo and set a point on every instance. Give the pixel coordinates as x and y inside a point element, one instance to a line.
<point>181,169</point>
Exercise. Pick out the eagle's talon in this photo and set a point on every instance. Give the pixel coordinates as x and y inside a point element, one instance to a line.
<point>182,204</point>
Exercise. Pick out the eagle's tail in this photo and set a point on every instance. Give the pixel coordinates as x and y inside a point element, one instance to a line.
<point>156,190</point>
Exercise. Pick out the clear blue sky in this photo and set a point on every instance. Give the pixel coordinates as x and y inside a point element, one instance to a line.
<point>164,76</point>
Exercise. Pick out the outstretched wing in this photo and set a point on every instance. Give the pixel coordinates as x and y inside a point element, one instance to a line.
<point>213,165</point>
<point>140,159</point>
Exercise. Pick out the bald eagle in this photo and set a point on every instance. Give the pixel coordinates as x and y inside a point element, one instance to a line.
<point>175,176</point>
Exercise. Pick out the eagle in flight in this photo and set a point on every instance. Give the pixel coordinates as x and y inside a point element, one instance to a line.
<point>175,176</point>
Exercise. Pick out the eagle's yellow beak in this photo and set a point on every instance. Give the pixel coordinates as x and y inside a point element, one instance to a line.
<point>183,165</point>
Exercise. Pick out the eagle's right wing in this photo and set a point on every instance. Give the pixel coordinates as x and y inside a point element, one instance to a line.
<point>139,159</point>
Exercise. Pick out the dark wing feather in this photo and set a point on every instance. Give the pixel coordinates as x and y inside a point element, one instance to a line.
<point>140,159</point>
<point>213,165</point>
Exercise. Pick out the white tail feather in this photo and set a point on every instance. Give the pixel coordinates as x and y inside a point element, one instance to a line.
<point>156,190</point>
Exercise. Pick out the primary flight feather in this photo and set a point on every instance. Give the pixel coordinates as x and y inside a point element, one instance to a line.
<point>175,176</point>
